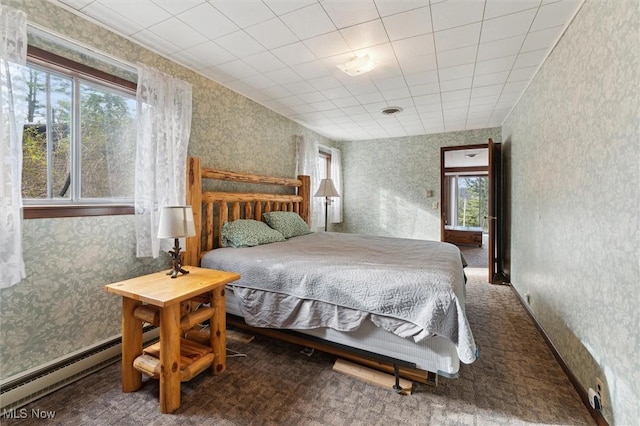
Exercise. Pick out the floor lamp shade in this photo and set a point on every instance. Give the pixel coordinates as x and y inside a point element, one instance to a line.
<point>176,222</point>
<point>327,190</point>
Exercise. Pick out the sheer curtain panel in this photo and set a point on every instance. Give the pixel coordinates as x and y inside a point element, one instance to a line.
<point>335,209</point>
<point>307,164</point>
<point>164,127</point>
<point>13,95</point>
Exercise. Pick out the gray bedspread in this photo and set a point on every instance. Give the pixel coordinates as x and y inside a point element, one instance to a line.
<point>409,287</point>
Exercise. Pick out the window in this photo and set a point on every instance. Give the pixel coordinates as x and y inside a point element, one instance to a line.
<point>79,139</point>
<point>468,201</point>
<point>324,163</point>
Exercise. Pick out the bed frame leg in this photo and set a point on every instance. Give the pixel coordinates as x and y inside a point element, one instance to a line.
<point>396,372</point>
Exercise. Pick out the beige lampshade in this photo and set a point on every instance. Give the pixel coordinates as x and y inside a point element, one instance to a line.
<point>326,189</point>
<point>176,222</point>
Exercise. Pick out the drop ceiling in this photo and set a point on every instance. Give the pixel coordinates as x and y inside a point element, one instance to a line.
<point>450,65</point>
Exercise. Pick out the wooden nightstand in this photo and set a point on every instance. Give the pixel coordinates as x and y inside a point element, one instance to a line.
<point>158,299</point>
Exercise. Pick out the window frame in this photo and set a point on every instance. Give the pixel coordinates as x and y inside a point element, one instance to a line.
<point>325,153</point>
<point>70,68</point>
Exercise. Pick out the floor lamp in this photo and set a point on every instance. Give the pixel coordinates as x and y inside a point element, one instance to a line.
<point>326,190</point>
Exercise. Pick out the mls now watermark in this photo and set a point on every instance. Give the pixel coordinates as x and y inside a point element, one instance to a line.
<point>23,413</point>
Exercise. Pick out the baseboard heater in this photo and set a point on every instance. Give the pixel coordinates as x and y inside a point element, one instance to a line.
<point>25,387</point>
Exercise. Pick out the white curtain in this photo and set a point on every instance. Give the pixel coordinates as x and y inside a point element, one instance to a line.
<point>13,56</point>
<point>164,127</point>
<point>307,164</point>
<point>335,209</point>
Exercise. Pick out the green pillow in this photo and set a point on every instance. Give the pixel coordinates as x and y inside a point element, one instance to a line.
<point>248,233</point>
<point>289,224</point>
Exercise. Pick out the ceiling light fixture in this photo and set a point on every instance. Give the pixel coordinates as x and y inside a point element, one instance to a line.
<point>358,65</point>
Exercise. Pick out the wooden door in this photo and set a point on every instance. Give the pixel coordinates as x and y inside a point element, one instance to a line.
<point>495,224</point>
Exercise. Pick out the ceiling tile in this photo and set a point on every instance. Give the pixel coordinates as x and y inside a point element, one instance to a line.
<point>155,42</point>
<point>365,35</point>
<point>309,22</point>
<point>272,33</point>
<point>408,24</point>
<point>392,7</point>
<point>421,78</point>
<point>396,94</point>
<point>452,14</point>
<point>370,98</point>
<point>390,83</point>
<point>542,39</point>
<point>300,87</point>
<point>493,90</point>
<point>416,64</point>
<point>310,70</point>
<point>342,102</point>
<point>526,73</point>
<point>414,46</point>
<point>555,14</point>
<point>450,58</point>
<point>454,38</point>
<point>76,4</point>
<point>292,54</point>
<point>456,73</point>
<point>176,7</point>
<point>489,79</point>
<point>283,76</point>
<point>264,62</point>
<point>178,33</point>
<point>425,89</point>
<point>326,45</point>
<point>496,8</point>
<point>190,60</point>
<point>117,21</point>
<point>277,92</point>
<point>361,87</point>
<point>237,69</point>
<point>240,43</point>
<point>459,84</point>
<point>211,53</point>
<point>280,7</point>
<point>346,14</point>
<point>143,12</point>
<point>500,48</point>
<point>495,65</point>
<point>243,13</point>
<point>325,82</point>
<point>208,21</point>
<point>529,59</point>
<point>507,26</point>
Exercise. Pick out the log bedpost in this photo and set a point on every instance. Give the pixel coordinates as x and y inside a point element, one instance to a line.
<point>194,199</point>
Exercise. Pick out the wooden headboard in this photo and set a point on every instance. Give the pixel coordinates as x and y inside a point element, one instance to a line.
<point>212,209</point>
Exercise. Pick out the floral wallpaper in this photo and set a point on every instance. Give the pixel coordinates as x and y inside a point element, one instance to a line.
<point>61,306</point>
<point>575,146</point>
<point>385,183</point>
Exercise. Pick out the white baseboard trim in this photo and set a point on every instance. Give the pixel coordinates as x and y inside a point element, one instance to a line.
<point>27,386</point>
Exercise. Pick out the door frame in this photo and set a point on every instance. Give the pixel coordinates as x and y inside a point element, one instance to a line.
<point>494,169</point>
<point>443,184</point>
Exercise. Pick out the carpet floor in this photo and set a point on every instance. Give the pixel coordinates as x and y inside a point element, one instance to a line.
<point>516,381</point>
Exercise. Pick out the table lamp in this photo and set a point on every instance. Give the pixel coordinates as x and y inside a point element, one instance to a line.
<point>176,222</point>
<point>326,190</point>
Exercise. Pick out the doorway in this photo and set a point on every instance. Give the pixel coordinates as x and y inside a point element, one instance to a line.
<point>465,201</point>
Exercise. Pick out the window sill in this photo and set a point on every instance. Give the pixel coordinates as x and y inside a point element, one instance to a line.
<point>45,212</point>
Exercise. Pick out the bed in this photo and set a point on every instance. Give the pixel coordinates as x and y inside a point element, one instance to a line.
<point>370,299</point>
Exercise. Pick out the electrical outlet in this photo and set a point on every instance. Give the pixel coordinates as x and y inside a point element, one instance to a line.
<point>602,391</point>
